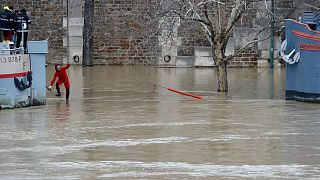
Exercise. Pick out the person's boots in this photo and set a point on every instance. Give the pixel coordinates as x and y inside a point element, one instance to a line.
<point>58,90</point>
<point>67,93</point>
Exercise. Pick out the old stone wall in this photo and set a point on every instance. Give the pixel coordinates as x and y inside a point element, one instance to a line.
<point>258,53</point>
<point>46,19</point>
<point>122,34</point>
<point>126,33</point>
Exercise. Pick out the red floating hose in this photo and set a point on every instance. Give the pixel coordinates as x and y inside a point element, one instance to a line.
<point>184,93</point>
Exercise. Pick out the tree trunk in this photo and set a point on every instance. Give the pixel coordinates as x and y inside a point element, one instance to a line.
<point>221,69</point>
<point>222,77</point>
<point>88,33</point>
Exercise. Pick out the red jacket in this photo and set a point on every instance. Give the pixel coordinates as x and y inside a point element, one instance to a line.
<point>61,75</point>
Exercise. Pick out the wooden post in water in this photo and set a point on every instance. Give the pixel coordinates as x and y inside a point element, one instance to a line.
<point>88,33</point>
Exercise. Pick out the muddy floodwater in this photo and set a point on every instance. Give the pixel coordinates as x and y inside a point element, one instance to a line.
<point>116,127</point>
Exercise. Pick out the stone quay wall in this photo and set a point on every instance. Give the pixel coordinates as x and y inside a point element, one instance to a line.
<point>123,33</point>
<point>46,17</point>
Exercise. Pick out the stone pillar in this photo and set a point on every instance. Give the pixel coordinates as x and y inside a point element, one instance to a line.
<point>169,43</point>
<point>73,23</point>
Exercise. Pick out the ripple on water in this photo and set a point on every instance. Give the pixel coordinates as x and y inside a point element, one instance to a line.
<point>129,169</point>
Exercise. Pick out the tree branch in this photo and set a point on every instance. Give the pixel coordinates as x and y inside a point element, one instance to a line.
<point>209,1</point>
<point>254,40</point>
<point>236,14</point>
<point>207,15</point>
<point>203,22</point>
<point>312,6</point>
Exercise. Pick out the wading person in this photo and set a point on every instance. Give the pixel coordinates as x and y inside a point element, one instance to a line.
<point>61,74</point>
<point>6,24</point>
<point>22,22</point>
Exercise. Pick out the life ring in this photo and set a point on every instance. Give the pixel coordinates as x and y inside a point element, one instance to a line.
<point>167,58</point>
<point>76,58</point>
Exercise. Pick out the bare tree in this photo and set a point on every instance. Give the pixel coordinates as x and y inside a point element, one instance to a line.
<point>217,19</point>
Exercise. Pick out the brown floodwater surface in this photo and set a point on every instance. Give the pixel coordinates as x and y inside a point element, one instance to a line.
<point>115,126</point>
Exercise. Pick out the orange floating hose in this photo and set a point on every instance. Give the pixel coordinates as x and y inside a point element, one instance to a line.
<point>184,93</point>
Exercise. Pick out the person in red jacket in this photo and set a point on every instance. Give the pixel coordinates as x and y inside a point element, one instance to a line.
<point>61,74</point>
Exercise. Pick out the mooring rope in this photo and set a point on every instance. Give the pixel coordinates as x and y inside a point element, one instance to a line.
<point>246,84</point>
<point>169,89</point>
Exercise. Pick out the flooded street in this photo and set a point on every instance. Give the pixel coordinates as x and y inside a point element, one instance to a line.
<point>115,127</point>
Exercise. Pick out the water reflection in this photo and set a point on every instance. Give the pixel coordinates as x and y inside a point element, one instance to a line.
<point>111,129</point>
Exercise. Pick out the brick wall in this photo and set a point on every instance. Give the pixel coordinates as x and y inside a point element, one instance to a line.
<point>46,19</point>
<point>126,33</point>
<point>122,34</point>
<point>247,58</point>
<point>190,36</point>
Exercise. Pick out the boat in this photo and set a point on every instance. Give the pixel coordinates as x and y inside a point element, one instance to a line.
<point>301,52</point>
<point>23,75</point>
